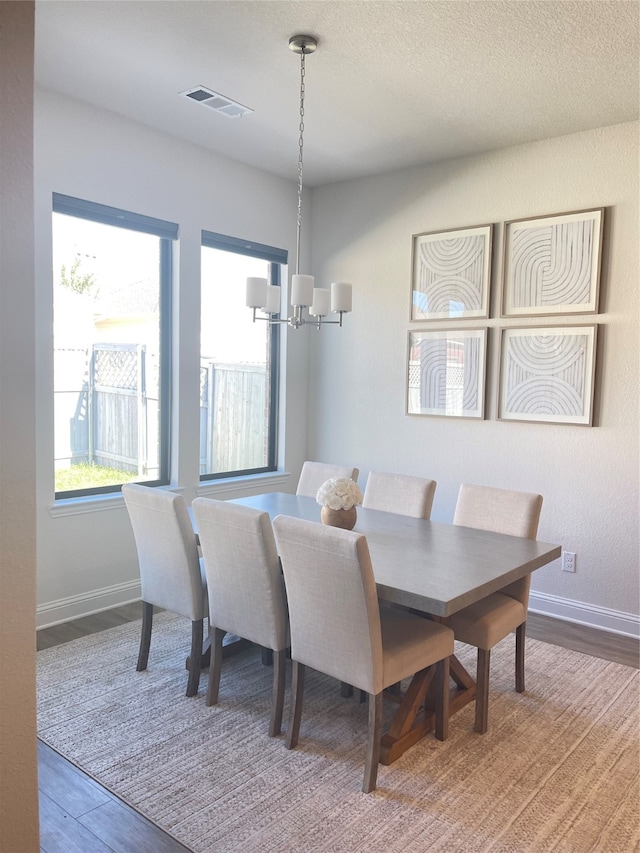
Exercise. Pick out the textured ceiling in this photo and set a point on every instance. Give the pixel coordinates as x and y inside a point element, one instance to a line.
<point>392,84</point>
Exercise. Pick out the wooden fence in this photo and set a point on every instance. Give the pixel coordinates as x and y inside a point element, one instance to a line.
<point>233,417</point>
<point>107,411</point>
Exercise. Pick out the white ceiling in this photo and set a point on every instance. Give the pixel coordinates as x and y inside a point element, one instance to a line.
<point>392,84</point>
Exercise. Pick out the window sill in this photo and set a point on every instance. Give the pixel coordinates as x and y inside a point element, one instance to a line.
<point>233,487</point>
<point>239,487</point>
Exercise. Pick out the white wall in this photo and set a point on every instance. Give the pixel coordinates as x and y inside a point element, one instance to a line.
<point>589,476</point>
<point>361,232</point>
<point>86,559</point>
<point>18,763</point>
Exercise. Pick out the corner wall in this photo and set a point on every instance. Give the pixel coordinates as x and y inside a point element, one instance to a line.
<point>18,757</point>
<point>589,477</point>
<point>86,555</point>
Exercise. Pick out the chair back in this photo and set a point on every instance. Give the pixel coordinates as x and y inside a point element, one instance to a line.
<point>314,474</point>
<point>333,605</point>
<point>398,493</point>
<point>244,580</point>
<point>167,549</point>
<point>501,511</point>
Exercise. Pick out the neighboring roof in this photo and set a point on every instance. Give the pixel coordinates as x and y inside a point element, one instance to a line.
<point>134,299</point>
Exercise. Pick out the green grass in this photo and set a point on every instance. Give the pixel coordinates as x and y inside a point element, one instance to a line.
<point>87,476</point>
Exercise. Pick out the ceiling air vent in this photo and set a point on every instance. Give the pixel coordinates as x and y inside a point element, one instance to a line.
<point>216,102</point>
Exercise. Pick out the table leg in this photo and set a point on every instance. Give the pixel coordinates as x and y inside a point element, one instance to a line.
<point>231,645</point>
<point>416,717</point>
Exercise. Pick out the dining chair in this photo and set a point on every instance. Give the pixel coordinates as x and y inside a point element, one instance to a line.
<point>338,628</point>
<point>314,474</point>
<point>399,493</point>
<point>246,589</point>
<point>171,572</point>
<point>491,619</point>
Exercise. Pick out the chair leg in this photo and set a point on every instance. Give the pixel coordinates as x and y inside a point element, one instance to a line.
<point>520,639</point>
<point>215,667</point>
<point>295,715</point>
<point>442,699</point>
<point>197,632</point>
<point>277,691</point>
<point>373,743</point>
<point>145,636</point>
<point>346,690</point>
<point>482,691</point>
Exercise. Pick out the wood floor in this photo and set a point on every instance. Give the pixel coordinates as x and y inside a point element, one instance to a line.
<point>77,815</point>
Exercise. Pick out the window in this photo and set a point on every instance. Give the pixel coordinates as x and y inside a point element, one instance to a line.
<point>238,360</point>
<point>112,304</point>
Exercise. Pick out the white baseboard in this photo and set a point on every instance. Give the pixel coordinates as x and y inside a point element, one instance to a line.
<point>615,621</point>
<point>85,604</point>
<point>76,606</point>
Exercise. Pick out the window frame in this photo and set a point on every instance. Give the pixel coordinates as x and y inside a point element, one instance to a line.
<point>168,233</point>
<point>276,258</point>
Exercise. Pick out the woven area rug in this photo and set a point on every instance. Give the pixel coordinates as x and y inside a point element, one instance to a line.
<point>557,770</point>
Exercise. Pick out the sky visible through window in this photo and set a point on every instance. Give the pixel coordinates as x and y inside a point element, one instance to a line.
<point>227,333</point>
<point>124,265</point>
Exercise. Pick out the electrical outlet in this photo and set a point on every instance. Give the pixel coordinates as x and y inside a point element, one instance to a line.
<point>568,561</point>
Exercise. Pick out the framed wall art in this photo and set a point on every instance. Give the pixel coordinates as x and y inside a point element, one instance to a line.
<point>446,372</point>
<point>552,264</point>
<point>451,274</point>
<point>547,374</point>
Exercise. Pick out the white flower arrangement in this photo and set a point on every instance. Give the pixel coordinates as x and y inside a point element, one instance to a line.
<point>339,493</point>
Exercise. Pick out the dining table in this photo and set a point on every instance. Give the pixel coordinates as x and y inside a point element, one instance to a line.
<point>432,568</point>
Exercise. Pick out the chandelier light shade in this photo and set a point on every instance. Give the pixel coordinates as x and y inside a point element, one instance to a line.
<point>257,292</point>
<point>319,302</point>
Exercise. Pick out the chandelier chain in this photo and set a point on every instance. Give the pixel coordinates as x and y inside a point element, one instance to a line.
<point>317,302</point>
<point>300,160</point>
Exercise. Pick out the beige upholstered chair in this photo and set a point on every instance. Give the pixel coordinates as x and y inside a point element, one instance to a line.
<point>171,574</point>
<point>314,474</point>
<point>337,627</point>
<point>246,590</point>
<point>399,493</point>
<point>490,620</point>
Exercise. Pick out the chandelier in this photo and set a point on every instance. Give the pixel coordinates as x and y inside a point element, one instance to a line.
<point>318,301</point>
